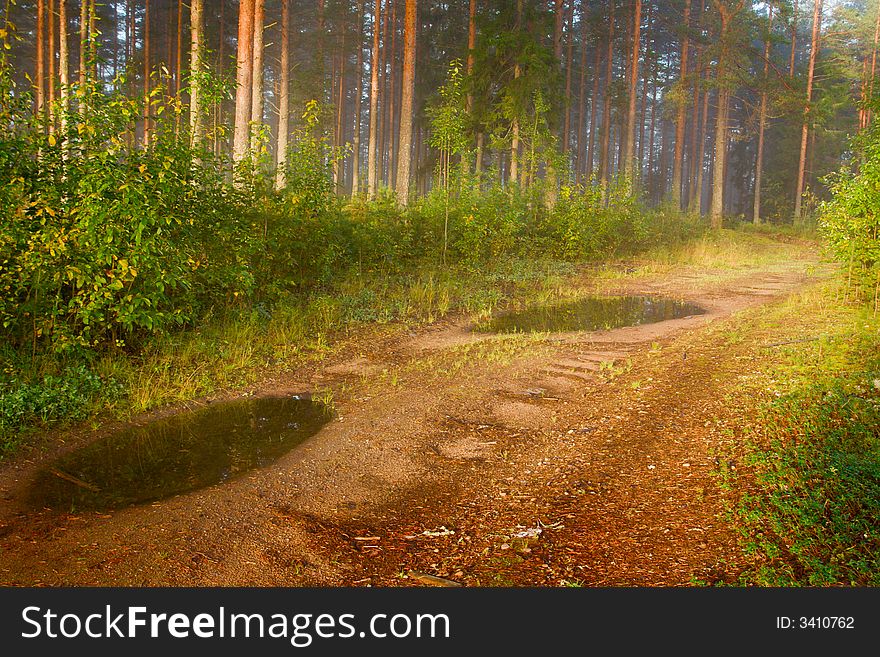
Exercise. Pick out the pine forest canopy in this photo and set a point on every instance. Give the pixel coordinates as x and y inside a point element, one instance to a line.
<point>702,102</point>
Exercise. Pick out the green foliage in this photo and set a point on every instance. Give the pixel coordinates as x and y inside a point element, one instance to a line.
<point>590,222</point>
<point>850,221</point>
<point>69,395</point>
<point>811,516</point>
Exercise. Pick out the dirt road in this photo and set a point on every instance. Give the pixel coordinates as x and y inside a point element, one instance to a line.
<point>561,459</point>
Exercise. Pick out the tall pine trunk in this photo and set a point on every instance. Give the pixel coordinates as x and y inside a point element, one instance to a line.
<point>283,98</point>
<point>244,81</point>
<point>196,32</point>
<point>257,75</point>
<point>630,130</point>
<point>805,129</point>
<point>147,103</point>
<point>762,122</point>
<point>372,161</point>
<point>680,119</point>
<point>605,153</point>
<point>39,79</point>
<point>404,157</point>
<point>356,138</point>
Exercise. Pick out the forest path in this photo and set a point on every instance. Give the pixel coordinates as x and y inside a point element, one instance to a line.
<point>579,458</point>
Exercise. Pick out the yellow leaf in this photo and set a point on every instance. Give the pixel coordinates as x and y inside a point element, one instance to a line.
<point>142,168</point>
<point>52,140</point>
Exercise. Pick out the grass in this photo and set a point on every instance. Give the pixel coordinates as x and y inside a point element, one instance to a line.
<point>234,350</point>
<point>724,252</point>
<point>806,485</point>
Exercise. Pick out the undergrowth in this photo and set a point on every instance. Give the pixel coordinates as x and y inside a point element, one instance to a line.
<point>807,489</point>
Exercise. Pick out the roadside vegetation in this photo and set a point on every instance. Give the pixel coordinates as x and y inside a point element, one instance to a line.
<point>807,492</point>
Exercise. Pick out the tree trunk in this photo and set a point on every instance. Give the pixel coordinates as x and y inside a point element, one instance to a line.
<point>727,15</point>
<point>472,42</point>
<point>630,132</point>
<point>284,97</point>
<point>514,142</point>
<point>196,32</point>
<point>338,163</point>
<point>646,78</point>
<point>257,76</point>
<point>372,163</point>
<point>582,100</point>
<point>404,158</point>
<point>356,138</point>
<point>83,41</point>
<point>50,15</point>
<point>178,69</point>
<point>604,155</point>
<point>652,182</point>
<point>794,21</point>
<point>40,65</point>
<point>873,66</point>
<point>566,121</point>
<point>146,73</point>
<point>93,41</point>
<point>762,121</point>
<point>802,160</point>
<point>244,81</point>
<point>594,113</point>
<point>678,157</point>
<point>383,90</point>
<point>701,153</point>
<point>63,68</point>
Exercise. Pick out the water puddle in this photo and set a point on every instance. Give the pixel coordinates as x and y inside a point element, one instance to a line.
<point>179,453</point>
<point>590,314</point>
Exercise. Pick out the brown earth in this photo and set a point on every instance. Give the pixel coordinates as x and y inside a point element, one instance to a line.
<point>578,458</point>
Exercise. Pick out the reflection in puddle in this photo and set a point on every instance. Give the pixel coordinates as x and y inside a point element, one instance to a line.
<point>590,314</point>
<point>179,453</point>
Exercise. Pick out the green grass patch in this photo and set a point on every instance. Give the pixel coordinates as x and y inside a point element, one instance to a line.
<point>807,488</point>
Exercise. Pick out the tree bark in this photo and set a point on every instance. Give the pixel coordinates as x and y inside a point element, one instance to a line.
<point>630,131</point>
<point>197,38</point>
<point>868,111</point>
<point>372,163</point>
<point>604,155</point>
<point>727,14</point>
<point>50,15</point>
<point>146,73</point>
<point>284,98</point>
<point>244,81</point>
<point>582,100</point>
<point>83,41</point>
<point>40,65</point>
<point>257,75</point>
<point>762,121</point>
<point>63,69</point>
<point>356,137</point>
<point>794,20</point>
<point>514,128</point>
<point>472,42</point>
<point>566,120</point>
<point>179,53</point>
<point>404,158</point>
<point>680,119</point>
<point>594,113</point>
<point>805,130</point>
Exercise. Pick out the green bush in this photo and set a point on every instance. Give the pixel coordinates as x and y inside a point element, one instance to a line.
<point>850,221</point>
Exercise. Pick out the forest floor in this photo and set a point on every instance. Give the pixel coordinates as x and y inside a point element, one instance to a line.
<point>580,459</point>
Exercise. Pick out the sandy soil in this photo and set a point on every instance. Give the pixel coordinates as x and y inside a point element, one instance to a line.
<point>577,458</point>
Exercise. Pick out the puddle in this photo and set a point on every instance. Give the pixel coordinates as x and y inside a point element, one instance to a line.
<point>590,314</point>
<point>180,453</point>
